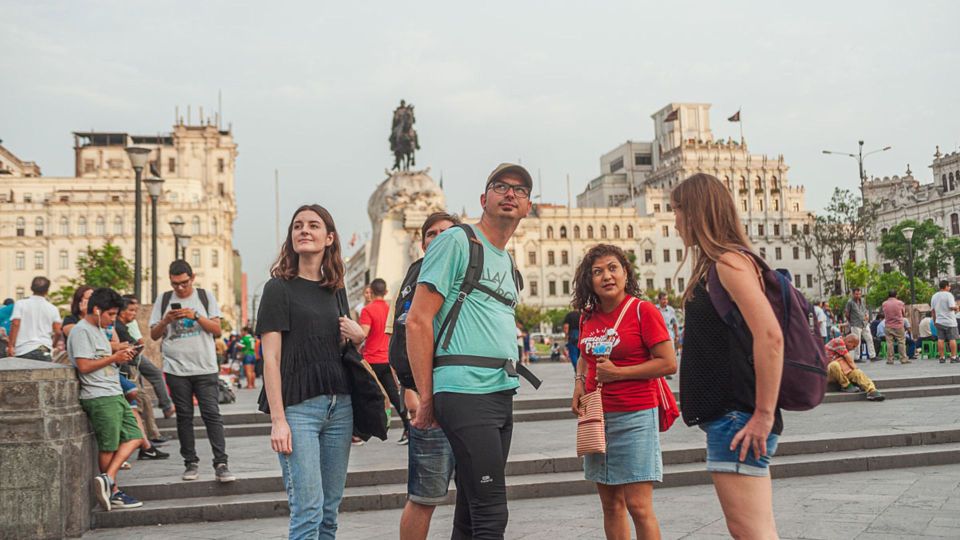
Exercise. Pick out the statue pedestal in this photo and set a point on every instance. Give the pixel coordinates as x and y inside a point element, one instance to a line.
<point>397,210</point>
<point>47,452</point>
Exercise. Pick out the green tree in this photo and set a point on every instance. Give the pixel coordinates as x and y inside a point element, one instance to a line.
<point>528,316</point>
<point>103,267</point>
<point>844,224</point>
<point>895,281</point>
<point>858,274</point>
<point>933,253</point>
<point>555,317</point>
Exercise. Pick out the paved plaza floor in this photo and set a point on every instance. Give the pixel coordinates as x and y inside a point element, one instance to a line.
<point>914,503</point>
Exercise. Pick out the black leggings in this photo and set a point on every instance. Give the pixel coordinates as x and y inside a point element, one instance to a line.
<point>385,376</point>
<point>479,427</point>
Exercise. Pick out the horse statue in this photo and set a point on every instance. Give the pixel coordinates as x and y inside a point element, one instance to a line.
<point>403,137</point>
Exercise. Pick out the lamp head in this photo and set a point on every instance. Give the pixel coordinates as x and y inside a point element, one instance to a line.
<point>177,226</point>
<point>154,186</point>
<point>138,156</point>
<point>907,233</point>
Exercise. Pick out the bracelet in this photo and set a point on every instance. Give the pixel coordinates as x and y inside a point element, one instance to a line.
<point>580,378</point>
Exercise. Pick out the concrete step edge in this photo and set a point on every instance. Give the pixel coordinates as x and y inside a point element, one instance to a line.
<point>532,464</point>
<point>393,496</point>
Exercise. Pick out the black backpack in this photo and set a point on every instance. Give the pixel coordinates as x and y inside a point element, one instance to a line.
<point>165,301</point>
<point>398,341</point>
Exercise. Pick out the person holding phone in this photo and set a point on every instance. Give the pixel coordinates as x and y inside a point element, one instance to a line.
<point>188,320</point>
<point>101,395</point>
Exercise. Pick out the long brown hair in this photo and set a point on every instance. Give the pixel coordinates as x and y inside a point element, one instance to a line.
<point>711,224</point>
<point>584,299</point>
<point>331,267</point>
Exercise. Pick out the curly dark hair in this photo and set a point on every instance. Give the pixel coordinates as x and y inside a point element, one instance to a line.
<point>584,299</point>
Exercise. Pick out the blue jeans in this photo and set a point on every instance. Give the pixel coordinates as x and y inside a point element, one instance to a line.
<point>315,473</point>
<point>720,458</point>
<point>573,351</point>
<point>430,466</point>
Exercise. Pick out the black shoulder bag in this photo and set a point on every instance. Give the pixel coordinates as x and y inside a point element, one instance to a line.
<point>366,395</point>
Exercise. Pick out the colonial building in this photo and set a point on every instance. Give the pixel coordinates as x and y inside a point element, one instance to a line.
<point>641,176</point>
<point>46,223</point>
<point>904,197</point>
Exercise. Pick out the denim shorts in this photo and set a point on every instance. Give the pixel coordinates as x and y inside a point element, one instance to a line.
<point>430,466</point>
<point>720,458</point>
<point>633,450</point>
<point>128,387</point>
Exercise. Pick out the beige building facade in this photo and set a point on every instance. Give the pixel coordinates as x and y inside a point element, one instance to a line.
<point>46,223</point>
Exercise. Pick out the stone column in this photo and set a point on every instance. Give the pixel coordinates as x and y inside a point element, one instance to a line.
<point>47,452</point>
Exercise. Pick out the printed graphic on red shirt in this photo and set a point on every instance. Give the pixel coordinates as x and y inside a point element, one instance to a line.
<point>629,345</point>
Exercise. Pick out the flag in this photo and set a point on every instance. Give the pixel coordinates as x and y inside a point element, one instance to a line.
<point>674,114</point>
<point>735,117</point>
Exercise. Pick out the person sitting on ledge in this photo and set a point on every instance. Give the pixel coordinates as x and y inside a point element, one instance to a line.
<point>843,371</point>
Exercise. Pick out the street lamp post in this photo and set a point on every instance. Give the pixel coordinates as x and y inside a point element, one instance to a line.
<point>184,243</point>
<point>138,158</point>
<point>908,234</point>
<point>177,227</point>
<point>155,189</point>
<point>859,156</point>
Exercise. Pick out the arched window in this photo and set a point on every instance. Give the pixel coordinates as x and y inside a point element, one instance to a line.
<point>589,231</point>
<point>774,184</point>
<point>616,231</point>
<point>629,231</point>
<point>943,182</point>
<point>951,184</point>
<point>758,183</point>
<point>549,231</point>
<point>118,225</point>
<point>603,231</point>
<point>563,231</point>
<point>82,226</point>
<point>64,225</point>
<point>743,183</point>
<point>101,229</point>
<point>576,231</point>
<point>728,182</point>
<point>214,226</point>
<point>954,224</point>
<point>195,225</point>
<point>38,226</point>
<point>21,226</point>
<point>64,260</point>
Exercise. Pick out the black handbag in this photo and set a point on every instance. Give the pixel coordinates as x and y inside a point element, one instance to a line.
<point>366,394</point>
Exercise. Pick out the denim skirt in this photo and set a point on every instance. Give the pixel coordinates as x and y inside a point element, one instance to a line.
<point>633,450</point>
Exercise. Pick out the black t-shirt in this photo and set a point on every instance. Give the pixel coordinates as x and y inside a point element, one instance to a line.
<point>307,317</point>
<point>572,320</point>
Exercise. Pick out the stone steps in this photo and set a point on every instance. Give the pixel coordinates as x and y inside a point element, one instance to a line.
<point>530,410</point>
<point>169,500</point>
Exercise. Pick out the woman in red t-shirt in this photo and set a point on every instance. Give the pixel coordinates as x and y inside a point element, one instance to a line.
<point>606,287</point>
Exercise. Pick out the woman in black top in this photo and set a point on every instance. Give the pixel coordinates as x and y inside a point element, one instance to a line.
<point>728,387</point>
<point>306,386</point>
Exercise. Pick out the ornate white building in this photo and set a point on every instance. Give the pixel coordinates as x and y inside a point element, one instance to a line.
<point>905,197</point>
<point>47,222</point>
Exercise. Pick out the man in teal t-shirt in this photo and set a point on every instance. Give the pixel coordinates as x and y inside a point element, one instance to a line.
<point>473,405</point>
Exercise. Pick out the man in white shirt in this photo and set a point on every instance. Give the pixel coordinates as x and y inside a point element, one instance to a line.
<point>35,324</point>
<point>944,306</point>
<point>821,321</point>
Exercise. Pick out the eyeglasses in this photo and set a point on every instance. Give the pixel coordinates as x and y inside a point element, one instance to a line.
<point>180,284</point>
<point>502,188</point>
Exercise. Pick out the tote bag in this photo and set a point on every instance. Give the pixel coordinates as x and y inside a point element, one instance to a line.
<point>591,437</point>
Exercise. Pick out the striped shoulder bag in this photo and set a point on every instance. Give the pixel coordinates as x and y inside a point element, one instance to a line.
<point>591,437</point>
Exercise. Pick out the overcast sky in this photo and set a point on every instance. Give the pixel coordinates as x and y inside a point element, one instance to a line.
<point>309,87</point>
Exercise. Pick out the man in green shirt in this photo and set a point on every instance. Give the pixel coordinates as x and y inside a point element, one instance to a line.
<point>248,345</point>
<point>472,403</point>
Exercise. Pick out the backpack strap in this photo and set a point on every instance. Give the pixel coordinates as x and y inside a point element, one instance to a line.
<point>471,282</point>
<point>204,299</point>
<point>165,301</point>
